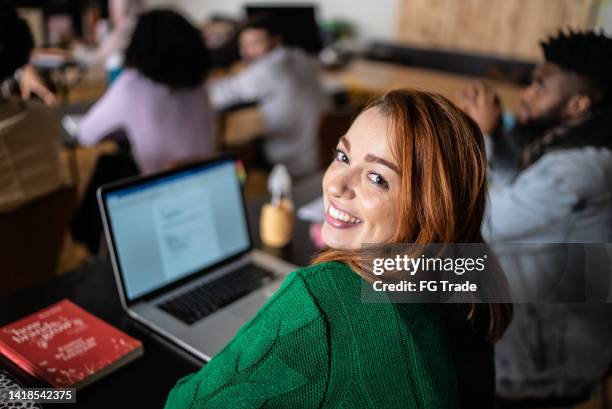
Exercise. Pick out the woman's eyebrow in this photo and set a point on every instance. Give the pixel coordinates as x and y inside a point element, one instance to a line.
<point>345,142</point>
<point>372,158</point>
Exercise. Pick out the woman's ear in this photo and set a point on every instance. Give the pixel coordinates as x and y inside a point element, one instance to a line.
<point>578,106</point>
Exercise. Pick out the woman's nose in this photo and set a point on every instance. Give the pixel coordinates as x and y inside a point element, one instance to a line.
<point>342,185</point>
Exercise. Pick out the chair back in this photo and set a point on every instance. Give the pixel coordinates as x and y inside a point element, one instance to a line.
<point>31,239</point>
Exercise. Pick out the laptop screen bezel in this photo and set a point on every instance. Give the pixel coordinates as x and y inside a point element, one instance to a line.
<point>105,190</point>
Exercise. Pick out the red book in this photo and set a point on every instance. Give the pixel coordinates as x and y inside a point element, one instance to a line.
<point>67,347</point>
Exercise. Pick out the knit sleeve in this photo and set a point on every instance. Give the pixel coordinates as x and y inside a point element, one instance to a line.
<point>277,359</point>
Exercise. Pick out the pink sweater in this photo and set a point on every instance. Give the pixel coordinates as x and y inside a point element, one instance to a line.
<point>163,125</point>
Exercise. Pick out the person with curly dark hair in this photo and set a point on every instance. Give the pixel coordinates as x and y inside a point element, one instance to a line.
<point>159,101</point>
<point>551,182</point>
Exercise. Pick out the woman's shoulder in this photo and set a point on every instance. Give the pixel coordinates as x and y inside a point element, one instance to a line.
<point>314,270</point>
<point>319,289</point>
<point>329,279</point>
<point>131,78</point>
<point>293,303</point>
<point>125,87</point>
<point>301,291</point>
<point>331,283</point>
<point>299,285</point>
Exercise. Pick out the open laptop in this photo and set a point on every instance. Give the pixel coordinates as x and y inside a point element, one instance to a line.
<point>182,254</point>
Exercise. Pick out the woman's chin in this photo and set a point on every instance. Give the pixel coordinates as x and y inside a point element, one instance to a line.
<point>337,239</point>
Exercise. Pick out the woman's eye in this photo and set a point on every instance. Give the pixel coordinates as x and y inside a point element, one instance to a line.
<point>340,156</point>
<point>378,180</point>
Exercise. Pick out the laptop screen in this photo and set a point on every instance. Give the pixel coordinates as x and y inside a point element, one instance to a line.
<point>169,227</point>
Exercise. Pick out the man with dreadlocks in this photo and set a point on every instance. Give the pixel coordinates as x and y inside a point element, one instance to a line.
<point>551,182</point>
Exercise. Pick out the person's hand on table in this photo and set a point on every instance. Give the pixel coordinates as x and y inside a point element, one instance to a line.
<point>30,83</point>
<point>483,105</point>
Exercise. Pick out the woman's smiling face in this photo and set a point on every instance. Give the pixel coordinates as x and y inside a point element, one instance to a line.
<point>361,186</point>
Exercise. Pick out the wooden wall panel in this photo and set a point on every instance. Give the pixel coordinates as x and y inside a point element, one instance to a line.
<point>508,28</point>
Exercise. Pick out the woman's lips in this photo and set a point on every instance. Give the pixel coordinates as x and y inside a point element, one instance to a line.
<point>340,219</point>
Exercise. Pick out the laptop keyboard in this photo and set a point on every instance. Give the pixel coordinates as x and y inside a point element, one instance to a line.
<point>209,297</point>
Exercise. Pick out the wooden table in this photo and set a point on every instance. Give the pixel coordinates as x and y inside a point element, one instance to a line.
<point>364,79</point>
<point>145,383</point>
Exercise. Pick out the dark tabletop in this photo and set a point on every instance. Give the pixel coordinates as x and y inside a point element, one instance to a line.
<point>146,381</point>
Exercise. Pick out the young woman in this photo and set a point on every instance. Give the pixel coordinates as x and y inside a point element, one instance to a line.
<point>411,169</point>
<point>159,100</point>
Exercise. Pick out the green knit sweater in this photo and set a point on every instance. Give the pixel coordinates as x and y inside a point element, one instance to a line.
<point>315,344</point>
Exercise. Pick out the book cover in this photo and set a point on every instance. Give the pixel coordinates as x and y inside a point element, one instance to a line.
<point>67,347</point>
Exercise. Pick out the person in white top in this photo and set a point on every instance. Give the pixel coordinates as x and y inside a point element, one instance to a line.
<point>123,16</point>
<point>284,82</point>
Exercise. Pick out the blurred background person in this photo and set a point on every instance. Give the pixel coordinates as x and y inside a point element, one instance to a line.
<point>110,51</point>
<point>30,133</point>
<point>159,101</point>
<point>284,82</point>
<point>24,78</point>
<point>111,41</point>
<point>551,182</point>
<point>158,106</point>
<point>28,83</point>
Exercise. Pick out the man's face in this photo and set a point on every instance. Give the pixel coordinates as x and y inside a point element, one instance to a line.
<point>544,101</point>
<point>254,44</point>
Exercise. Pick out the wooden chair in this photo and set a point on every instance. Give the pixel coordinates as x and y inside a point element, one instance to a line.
<point>87,224</point>
<point>31,239</point>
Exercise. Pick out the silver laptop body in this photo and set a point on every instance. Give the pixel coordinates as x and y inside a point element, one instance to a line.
<point>175,231</point>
